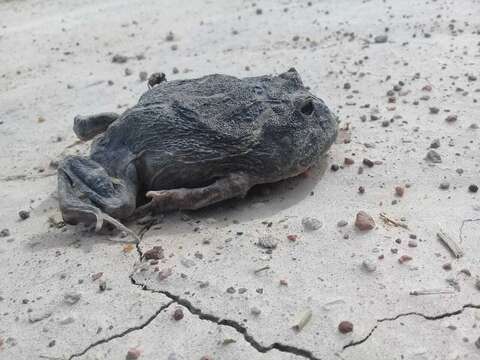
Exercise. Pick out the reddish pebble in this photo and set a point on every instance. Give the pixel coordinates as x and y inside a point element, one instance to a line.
<point>292,237</point>
<point>348,161</point>
<point>345,327</point>
<point>133,354</point>
<point>451,118</point>
<point>206,357</point>
<point>427,88</point>
<point>155,253</point>
<point>404,258</point>
<point>364,222</point>
<point>283,282</point>
<point>178,314</point>
<point>399,191</point>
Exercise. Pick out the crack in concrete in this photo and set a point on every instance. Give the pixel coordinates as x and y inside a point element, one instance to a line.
<point>230,323</point>
<point>217,320</point>
<point>413,313</point>
<point>122,334</point>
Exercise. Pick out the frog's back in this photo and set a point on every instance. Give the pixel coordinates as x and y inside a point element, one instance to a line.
<point>193,131</point>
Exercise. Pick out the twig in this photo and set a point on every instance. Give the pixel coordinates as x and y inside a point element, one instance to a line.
<point>393,222</point>
<point>454,248</point>
<point>262,269</point>
<point>431,292</point>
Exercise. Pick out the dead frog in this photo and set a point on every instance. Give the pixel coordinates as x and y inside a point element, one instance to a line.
<point>191,143</point>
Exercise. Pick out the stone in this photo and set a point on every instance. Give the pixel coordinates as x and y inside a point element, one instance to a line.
<point>311,223</point>
<point>412,243</point>
<point>4,233</point>
<point>267,242</point>
<point>364,222</point>
<point>178,314</point>
<point>435,144</point>
<point>24,214</point>
<point>133,354</point>
<point>380,39</point>
<point>444,185</point>
<point>345,327</point>
<point>473,188</point>
<point>369,265</point>
<point>155,253</point>
<point>451,118</point>
<point>342,223</point>
<point>71,298</point>
<point>119,59</point>
<point>433,157</point>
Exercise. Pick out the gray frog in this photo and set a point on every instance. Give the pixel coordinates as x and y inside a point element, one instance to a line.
<point>191,143</point>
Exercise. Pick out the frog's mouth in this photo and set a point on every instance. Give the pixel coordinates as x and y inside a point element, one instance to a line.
<point>76,205</point>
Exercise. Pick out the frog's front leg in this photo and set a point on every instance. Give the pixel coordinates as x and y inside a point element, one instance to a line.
<point>87,127</point>
<point>231,186</point>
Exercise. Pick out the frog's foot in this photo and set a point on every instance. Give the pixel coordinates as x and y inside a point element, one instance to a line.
<point>87,127</point>
<point>234,185</point>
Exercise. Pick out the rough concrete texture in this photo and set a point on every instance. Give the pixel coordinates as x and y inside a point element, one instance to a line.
<point>56,63</point>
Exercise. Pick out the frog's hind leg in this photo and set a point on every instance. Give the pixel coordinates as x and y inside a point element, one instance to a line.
<point>234,185</point>
<point>87,127</point>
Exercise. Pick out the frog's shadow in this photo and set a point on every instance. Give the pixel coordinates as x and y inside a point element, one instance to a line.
<point>262,202</point>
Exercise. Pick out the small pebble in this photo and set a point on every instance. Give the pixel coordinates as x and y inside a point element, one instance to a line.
<point>404,258</point>
<point>24,214</point>
<point>155,253</point>
<point>434,110</point>
<point>267,242</point>
<point>369,265</point>
<point>364,222</point>
<point>345,327</point>
<point>4,233</point>
<point>178,314</point>
<point>444,185</point>
<point>311,223</point>
<point>334,167</point>
<point>102,285</point>
<point>435,144</point>
<point>361,189</point>
<point>451,118</point>
<point>433,157</point>
<point>473,188</point>
<point>348,161</point>
<point>399,191</point>
<point>447,266</point>
<point>412,243</point>
<point>133,354</point>
<point>368,162</point>
<point>342,223</point>
<point>119,59</point>
<point>381,39</point>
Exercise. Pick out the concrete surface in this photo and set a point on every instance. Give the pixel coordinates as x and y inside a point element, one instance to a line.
<point>56,63</point>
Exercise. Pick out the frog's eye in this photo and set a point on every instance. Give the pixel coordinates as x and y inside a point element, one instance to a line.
<point>307,107</point>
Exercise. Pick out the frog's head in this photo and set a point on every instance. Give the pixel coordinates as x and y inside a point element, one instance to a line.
<point>87,194</point>
<point>308,127</point>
